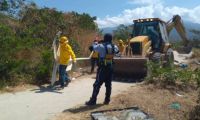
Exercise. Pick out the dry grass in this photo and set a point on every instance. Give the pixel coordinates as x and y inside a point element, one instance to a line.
<point>152,100</point>
<point>196,52</point>
<point>85,39</point>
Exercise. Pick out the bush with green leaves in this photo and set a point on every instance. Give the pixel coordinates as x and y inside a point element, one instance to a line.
<point>171,76</point>
<point>26,41</point>
<point>44,68</point>
<point>7,42</point>
<point>158,74</point>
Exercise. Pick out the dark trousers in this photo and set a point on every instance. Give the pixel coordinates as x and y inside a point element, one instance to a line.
<point>104,74</point>
<point>93,62</point>
<point>63,76</point>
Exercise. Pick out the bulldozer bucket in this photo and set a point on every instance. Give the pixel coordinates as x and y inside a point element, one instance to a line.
<point>130,67</point>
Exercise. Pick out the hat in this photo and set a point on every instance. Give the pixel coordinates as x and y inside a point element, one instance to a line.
<point>63,39</point>
<point>120,41</point>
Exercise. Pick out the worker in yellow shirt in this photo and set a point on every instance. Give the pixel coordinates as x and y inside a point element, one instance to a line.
<point>95,55</point>
<point>66,53</point>
<point>121,46</point>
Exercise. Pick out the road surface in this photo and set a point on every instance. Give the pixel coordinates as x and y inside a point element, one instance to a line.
<point>44,103</point>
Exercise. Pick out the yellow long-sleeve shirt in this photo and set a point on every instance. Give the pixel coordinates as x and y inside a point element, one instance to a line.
<point>121,48</point>
<point>65,53</point>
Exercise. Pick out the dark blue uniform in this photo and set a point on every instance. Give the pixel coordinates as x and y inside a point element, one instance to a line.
<point>106,52</point>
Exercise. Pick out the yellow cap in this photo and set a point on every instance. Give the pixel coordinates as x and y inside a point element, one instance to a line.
<point>120,41</point>
<point>63,39</point>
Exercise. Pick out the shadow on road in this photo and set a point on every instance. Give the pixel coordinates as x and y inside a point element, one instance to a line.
<point>42,89</point>
<point>83,108</point>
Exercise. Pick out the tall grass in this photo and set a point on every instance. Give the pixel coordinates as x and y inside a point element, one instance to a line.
<point>165,76</point>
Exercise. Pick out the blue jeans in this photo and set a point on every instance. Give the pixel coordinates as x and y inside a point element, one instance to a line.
<point>63,76</point>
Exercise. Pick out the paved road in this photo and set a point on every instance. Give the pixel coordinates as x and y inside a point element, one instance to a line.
<point>44,103</point>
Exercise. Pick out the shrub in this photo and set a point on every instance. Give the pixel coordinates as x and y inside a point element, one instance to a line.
<point>170,76</point>
<point>43,69</point>
<point>184,76</point>
<point>160,75</point>
<point>75,46</point>
<point>197,78</point>
<point>195,113</point>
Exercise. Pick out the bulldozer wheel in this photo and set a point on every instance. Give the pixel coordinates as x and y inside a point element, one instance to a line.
<point>156,57</point>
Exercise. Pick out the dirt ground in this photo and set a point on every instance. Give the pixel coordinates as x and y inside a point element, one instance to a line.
<point>152,100</point>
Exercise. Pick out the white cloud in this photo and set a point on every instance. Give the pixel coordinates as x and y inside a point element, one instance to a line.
<point>147,9</point>
<point>144,2</point>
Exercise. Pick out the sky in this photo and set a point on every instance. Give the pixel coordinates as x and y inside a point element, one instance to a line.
<point>111,13</point>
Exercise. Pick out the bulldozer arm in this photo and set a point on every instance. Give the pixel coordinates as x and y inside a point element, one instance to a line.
<point>177,23</point>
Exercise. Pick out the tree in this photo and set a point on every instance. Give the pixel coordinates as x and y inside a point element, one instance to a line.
<point>11,7</point>
<point>3,5</point>
<point>85,21</point>
<point>196,40</point>
<point>122,32</point>
<point>195,32</point>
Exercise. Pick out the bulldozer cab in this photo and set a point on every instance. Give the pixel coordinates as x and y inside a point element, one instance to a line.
<point>155,29</point>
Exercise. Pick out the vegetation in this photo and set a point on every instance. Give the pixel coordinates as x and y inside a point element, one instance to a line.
<point>165,76</point>
<point>11,7</point>
<point>26,35</point>
<point>178,79</point>
<point>195,113</point>
<point>122,32</point>
<point>196,40</point>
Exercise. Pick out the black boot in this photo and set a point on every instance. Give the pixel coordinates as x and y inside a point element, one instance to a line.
<point>92,101</point>
<point>107,98</point>
<point>106,101</point>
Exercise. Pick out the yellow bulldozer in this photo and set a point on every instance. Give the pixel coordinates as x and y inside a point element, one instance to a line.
<point>149,41</point>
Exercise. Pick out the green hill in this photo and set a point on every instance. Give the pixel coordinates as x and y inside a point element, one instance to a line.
<point>26,54</point>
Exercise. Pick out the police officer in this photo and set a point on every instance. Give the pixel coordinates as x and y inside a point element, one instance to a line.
<point>106,51</point>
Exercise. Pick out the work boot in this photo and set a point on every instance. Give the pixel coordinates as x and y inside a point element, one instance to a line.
<point>106,101</point>
<point>92,101</point>
<point>66,84</point>
<point>61,87</point>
